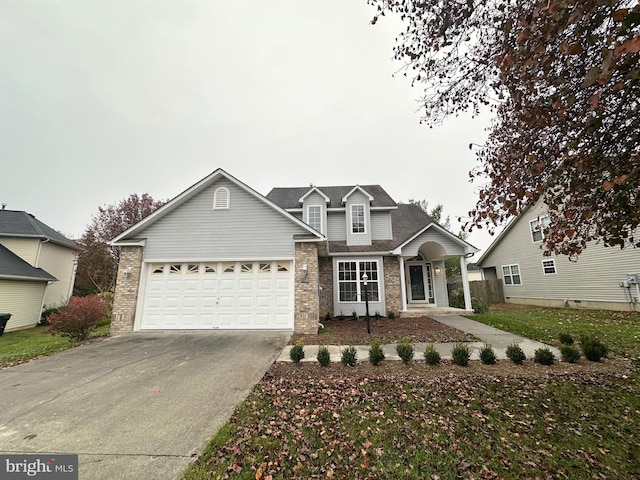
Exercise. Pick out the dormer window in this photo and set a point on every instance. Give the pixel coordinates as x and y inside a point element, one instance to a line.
<point>357,219</point>
<point>221,199</point>
<point>314,217</point>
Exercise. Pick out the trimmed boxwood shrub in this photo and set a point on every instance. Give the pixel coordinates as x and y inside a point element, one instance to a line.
<point>431,356</point>
<point>569,353</point>
<point>323,356</point>
<point>515,354</point>
<point>349,356</point>
<point>460,354</point>
<point>297,351</point>
<point>376,355</point>
<point>593,348</point>
<point>405,351</point>
<point>565,338</point>
<point>544,356</point>
<point>487,355</point>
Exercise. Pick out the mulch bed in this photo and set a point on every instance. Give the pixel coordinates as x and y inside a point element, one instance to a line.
<point>354,332</point>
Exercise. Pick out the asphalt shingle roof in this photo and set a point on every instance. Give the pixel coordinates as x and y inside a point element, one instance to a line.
<point>14,223</point>
<point>12,266</point>
<point>289,197</point>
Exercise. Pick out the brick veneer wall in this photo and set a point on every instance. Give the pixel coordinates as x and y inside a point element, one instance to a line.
<point>326,282</point>
<point>392,290</point>
<point>306,294</point>
<point>126,296</point>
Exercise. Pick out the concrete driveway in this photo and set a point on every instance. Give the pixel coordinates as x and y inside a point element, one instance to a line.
<point>136,406</point>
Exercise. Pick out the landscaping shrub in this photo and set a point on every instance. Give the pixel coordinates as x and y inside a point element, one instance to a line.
<point>544,356</point>
<point>461,354</point>
<point>456,298</point>
<point>354,315</point>
<point>77,318</point>
<point>405,350</point>
<point>297,351</point>
<point>349,356</point>
<point>570,354</point>
<point>479,305</point>
<point>323,356</point>
<point>391,315</point>
<point>328,316</point>
<point>593,348</point>
<point>565,338</point>
<point>377,315</point>
<point>487,355</point>
<point>431,356</point>
<point>515,354</point>
<point>341,316</point>
<point>46,313</point>
<point>376,355</point>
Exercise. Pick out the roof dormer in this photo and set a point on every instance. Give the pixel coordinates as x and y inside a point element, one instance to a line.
<point>355,189</point>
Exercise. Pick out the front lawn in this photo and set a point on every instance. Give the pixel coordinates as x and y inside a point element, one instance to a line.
<point>24,345</point>
<point>548,425</point>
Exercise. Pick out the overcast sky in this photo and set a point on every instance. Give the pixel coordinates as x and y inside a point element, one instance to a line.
<point>103,98</point>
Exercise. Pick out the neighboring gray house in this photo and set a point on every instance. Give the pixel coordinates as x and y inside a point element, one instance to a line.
<point>593,280</point>
<point>221,255</point>
<point>37,268</point>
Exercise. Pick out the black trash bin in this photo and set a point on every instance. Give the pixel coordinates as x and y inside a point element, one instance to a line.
<point>4,318</point>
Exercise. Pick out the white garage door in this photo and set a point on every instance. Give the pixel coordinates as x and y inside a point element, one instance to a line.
<point>225,295</point>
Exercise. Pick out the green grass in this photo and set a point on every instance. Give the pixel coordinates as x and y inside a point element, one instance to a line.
<point>620,331</point>
<point>23,345</point>
<point>583,425</point>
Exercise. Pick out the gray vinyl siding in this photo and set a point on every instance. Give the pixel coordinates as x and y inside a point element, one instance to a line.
<point>449,245</point>
<point>249,229</point>
<point>358,198</point>
<point>381,226</point>
<point>440,284</point>
<point>594,277</point>
<point>315,199</point>
<point>23,300</point>
<point>336,226</point>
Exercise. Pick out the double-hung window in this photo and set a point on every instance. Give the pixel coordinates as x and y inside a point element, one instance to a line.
<point>314,217</point>
<point>537,228</point>
<point>350,284</point>
<point>549,267</point>
<point>511,274</point>
<point>357,219</point>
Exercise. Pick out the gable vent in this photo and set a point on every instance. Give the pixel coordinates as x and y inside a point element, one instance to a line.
<point>221,199</point>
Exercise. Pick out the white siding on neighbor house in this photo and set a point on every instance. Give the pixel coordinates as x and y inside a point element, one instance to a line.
<point>249,229</point>
<point>25,248</point>
<point>23,300</point>
<point>60,262</point>
<point>358,198</point>
<point>336,226</point>
<point>595,276</point>
<point>381,226</point>
<point>431,235</point>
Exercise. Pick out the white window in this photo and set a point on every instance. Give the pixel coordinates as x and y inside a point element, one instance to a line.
<point>511,274</point>
<point>314,217</point>
<point>350,284</point>
<point>537,228</point>
<point>549,267</point>
<point>357,219</point>
<point>221,199</point>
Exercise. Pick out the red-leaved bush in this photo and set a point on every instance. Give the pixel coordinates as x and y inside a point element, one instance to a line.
<point>76,319</point>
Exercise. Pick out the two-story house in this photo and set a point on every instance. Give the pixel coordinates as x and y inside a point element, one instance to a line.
<point>221,255</point>
<point>601,277</point>
<point>37,268</point>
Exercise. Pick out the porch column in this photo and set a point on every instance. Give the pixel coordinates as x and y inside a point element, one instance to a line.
<point>403,285</point>
<point>465,284</point>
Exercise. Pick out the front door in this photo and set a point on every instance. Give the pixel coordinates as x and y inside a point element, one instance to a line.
<point>420,286</point>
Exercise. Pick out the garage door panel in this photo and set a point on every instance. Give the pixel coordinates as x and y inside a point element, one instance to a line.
<point>202,295</point>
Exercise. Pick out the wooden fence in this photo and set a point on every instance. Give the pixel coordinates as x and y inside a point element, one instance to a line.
<point>488,290</point>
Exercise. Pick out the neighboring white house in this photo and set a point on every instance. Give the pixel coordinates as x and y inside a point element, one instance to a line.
<point>598,278</point>
<point>37,268</point>
<point>221,255</point>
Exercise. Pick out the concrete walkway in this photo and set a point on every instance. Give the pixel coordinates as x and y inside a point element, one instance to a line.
<point>498,339</point>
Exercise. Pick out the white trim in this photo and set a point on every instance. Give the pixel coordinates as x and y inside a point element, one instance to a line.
<point>427,275</point>
<point>403,286</point>
<point>196,188</point>
<point>357,254</point>
<point>133,243</point>
<point>468,248</point>
<point>314,189</point>
<point>358,280</point>
<point>309,207</point>
<point>357,187</point>
<point>225,202</point>
<point>511,274</point>
<point>540,227</point>
<point>364,219</point>
<point>555,270</point>
<point>217,259</point>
